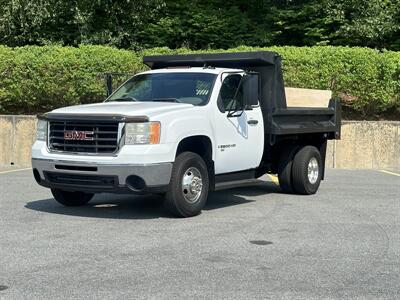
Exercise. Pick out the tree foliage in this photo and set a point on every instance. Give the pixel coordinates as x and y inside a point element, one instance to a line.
<point>199,24</point>
<point>74,22</point>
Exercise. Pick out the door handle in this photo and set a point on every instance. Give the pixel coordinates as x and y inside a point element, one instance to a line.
<point>252,122</point>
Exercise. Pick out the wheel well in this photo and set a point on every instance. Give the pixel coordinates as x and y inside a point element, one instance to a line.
<point>198,144</point>
<point>201,145</point>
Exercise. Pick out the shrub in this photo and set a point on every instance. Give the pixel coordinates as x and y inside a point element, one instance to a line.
<point>36,79</point>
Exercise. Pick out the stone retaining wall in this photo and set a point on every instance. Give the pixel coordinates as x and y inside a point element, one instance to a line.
<point>364,145</point>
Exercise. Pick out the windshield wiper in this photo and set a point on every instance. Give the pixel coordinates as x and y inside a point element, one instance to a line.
<point>128,98</point>
<point>166,100</point>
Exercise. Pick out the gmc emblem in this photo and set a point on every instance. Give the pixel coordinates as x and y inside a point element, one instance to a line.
<point>74,135</point>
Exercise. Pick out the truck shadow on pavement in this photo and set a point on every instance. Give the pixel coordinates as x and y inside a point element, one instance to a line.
<point>150,206</point>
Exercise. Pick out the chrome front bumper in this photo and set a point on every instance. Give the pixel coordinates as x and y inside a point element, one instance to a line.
<point>98,177</point>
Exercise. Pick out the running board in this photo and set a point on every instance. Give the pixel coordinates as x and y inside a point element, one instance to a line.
<point>234,184</point>
<point>234,179</point>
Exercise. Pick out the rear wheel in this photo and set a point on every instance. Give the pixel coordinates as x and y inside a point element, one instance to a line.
<point>285,170</point>
<point>71,198</point>
<point>188,189</point>
<point>307,170</point>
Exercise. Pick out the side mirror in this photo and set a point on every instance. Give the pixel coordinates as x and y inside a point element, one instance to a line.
<point>251,89</point>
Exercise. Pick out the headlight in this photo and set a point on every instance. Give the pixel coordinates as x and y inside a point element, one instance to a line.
<point>41,131</point>
<point>142,133</point>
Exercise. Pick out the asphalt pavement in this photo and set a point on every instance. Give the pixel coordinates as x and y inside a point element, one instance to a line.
<point>249,243</point>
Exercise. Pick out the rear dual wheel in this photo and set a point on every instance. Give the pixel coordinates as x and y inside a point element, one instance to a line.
<point>300,170</point>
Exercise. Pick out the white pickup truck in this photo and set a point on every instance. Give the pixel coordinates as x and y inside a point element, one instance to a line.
<point>186,127</point>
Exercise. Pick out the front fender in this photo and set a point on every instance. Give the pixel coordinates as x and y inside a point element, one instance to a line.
<point>187,126</point>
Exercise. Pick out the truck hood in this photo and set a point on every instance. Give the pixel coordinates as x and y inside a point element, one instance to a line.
<point>149,109</point>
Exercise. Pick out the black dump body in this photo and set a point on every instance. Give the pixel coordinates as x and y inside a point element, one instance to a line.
<point>278,119</point>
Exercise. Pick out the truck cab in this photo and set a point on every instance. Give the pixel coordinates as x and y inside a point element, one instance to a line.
<point>187,126</point>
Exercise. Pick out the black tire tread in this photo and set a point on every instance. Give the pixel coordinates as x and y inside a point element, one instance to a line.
<point>285,170</point>
<point>300,164</point>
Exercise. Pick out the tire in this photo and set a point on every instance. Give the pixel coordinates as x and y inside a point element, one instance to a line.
<point>71,198</point>
<point>307,156</point>
<point>183,198</point>
<point>285,170</point>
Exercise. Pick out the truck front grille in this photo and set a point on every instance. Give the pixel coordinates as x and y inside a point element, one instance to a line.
<point>95,137</point>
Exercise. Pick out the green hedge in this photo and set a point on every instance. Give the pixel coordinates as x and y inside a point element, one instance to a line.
<point>36,79</point>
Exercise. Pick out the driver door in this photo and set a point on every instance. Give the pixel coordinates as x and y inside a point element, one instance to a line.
<point>239,135</point>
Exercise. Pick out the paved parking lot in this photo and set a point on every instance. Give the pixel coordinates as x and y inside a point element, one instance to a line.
<point>252,242</point>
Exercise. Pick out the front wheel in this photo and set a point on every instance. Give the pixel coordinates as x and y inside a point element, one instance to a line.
<point>188,188</point>
<point>307,170</point>
<point>71,198</point>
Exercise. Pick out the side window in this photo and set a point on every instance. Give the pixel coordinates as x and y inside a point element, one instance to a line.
<point>227,100</point>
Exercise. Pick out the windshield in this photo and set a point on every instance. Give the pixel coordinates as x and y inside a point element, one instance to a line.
<point>191,88</point>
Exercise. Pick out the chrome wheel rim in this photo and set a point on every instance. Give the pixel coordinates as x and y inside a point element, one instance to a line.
<point>192,185</point>
<point>313,170</point>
